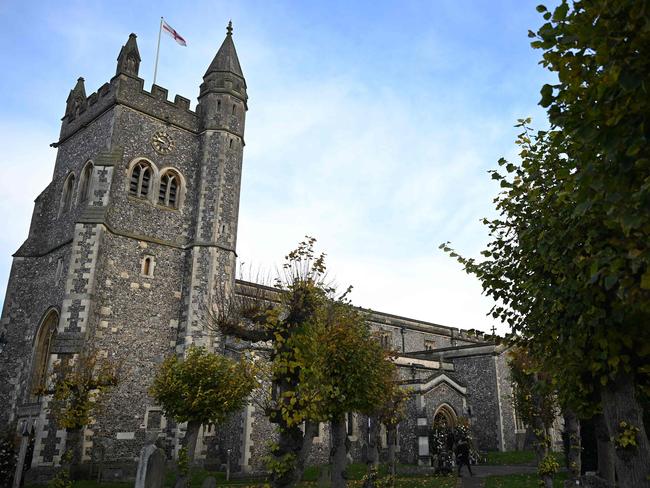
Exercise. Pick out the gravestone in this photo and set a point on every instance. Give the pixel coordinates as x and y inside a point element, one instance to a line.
<point>209,482</point>
<point>151,467</point>
<point>324,478</point>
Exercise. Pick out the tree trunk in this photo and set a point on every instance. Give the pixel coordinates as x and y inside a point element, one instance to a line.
<point>290,443</point>
<point>311,431</point>
<point>391,434</point>
<point>572,431</point>
<point>191,436</point>
<point>73,445</point>
<point>339,454</point>
<point>541,446</point>
<point>605,452</point>
<point>620,404</point>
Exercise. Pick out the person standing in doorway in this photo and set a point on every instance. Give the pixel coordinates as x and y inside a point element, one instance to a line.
<point>462,455</point>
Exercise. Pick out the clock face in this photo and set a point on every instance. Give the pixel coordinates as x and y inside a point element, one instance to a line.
<point>162,142</point>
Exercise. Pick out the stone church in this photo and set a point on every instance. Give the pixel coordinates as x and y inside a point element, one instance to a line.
<point>137,230</point>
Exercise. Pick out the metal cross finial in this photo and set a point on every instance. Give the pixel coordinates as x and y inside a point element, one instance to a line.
<point>494,330</point>
<point>229,28</point>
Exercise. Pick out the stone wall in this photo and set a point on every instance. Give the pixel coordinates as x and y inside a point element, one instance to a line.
<point>478,374</point>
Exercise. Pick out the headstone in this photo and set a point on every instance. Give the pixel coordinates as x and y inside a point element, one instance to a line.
<point>181,482</point>
<point>324,479</point>
<point>209,482</point>
<point>151,468</point>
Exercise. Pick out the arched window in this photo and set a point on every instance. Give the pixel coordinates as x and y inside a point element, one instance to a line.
<point>86,180</point>
<point>42,346</point>
<point>68,191</point>
<point>169,191</point>
<point>148,264</point>
<point>141,177</point>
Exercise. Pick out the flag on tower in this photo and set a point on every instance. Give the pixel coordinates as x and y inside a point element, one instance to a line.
<point>172,32</point>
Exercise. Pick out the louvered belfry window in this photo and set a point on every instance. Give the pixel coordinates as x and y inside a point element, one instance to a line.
<point>140,180</point>
<point>168,194</point>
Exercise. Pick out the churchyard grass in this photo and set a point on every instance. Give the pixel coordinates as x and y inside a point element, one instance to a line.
<point>521,481</point>
<point>355,473</point>
<point>509,457</point>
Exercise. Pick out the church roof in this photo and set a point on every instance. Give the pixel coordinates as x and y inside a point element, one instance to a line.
<point>226,58</point>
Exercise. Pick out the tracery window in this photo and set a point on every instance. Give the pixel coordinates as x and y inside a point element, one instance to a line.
<point>141,179</point>
<point>169,191</point>
<point>86,179</point>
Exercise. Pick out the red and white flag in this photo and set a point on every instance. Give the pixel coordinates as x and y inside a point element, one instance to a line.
<point>172,32</point>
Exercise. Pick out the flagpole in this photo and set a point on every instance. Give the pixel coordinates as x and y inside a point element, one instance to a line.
<point>155,69</point>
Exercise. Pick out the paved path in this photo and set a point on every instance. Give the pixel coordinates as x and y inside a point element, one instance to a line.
<point>482,472</point>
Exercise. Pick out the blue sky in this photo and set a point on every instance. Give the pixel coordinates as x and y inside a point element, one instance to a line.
<point>371,125</point>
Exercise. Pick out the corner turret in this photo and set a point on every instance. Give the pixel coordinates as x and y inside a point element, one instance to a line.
<point>128,61</point>
<point>223,98</point>
<point>76,101</point>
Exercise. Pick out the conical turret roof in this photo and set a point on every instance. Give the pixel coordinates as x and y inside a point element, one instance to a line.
<point>226,58</point>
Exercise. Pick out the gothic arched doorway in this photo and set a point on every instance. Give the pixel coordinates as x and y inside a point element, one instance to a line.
<point>445,417</point>
<point>42,346</point>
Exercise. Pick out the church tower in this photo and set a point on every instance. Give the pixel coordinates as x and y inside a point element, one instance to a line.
<point>222,113</point>
<point>130,245</point>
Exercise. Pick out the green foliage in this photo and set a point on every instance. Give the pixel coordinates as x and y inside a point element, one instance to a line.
<point>347,370</point>
<point>323,360</point>
<point>183,462</point>
<point>534,395</point>
<point>203,387</point>
<point>62,478</point>
<point>77,385</point>
<point>569,260</point>
<point>548,466</point>
<point>279,463</point>
<point>627,436</point>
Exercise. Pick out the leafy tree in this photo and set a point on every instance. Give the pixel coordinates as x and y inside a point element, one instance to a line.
<point>569,260</point>
<point>202,388</point>
<point>76,387</point>
<point>347,371</point>
<point>306,325</point>
<point>535,401</point>
<point>283,317</point>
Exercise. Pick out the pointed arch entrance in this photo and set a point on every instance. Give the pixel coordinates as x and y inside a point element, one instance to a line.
<point>40,358</point>
<point>445,416</point>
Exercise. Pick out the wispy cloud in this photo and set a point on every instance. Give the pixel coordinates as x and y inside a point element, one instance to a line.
<point>371,127</point>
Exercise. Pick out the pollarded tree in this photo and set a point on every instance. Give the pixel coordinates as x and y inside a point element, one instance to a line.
<point>347,371</point>
<point>323,359</point>
<point>76,390</point>
<point>202,388</point>
<point>283,318</point>
<point>570,258</point>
